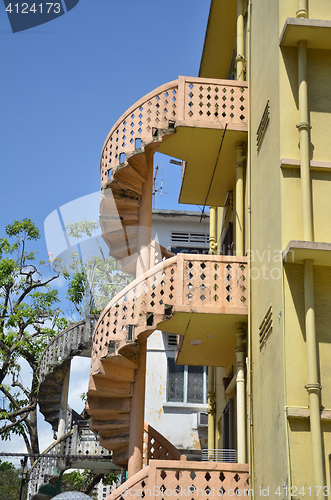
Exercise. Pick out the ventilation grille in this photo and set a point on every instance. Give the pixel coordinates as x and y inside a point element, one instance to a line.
<point>263,126</point>
<point>172,340</point>
<point>195,238</point>
<point>266,326</point>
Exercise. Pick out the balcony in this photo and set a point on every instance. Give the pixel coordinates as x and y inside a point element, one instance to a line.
<point>185,118</point>
<point>200,297</point>
<point>179,478</point>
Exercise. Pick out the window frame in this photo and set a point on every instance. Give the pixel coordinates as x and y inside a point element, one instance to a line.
<point>185,388</point>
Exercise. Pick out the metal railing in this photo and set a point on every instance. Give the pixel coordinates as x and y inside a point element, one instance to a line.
<point>225,456</point>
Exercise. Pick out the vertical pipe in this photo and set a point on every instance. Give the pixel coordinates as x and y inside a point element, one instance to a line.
<point>212,231</point>
<point>313,387</point>
<point>304,127</point>
<point>240,175</point>
<point>135,462</point>
<point>219,230</point>
<point>211,408</point>
<point>64,403</point>
<point>240,395</point>
<point>240,59</point>
<point>302,8</point>
<point>145,220</point>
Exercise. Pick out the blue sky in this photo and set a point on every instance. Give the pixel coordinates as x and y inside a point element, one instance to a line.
<point>65,83</point>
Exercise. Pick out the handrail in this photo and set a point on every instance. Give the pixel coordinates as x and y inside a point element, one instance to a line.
<point>156,446</point>
<point>188,101</point>
<point>184,283</point>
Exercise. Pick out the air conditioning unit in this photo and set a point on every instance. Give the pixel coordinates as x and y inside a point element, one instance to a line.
<point>203,419</point>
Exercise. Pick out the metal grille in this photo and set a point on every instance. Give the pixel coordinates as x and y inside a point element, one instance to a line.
<point>172,340</point>
<point>266,326</point>
<point>183,237</point>
<point>263,126</point>
<point>229,456</point>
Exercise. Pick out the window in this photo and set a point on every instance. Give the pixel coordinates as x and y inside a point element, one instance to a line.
<point>186,384</point>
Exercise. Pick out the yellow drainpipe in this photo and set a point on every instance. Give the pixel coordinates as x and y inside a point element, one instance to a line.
<point>240,393</point>
<point>313,387</point>
<point>250,429</point>
<point>211,369</point>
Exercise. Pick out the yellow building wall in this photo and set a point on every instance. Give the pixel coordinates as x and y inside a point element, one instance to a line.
<point>269,422</point>
<point>296,366</point>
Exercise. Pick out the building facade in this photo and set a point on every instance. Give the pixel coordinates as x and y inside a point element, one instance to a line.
<point>252,132</point>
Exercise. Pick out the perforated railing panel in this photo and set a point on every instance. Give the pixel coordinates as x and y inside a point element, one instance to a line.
<point>212,102</point>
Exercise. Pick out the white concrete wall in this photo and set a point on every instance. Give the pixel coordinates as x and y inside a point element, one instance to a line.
<point>176,421</point>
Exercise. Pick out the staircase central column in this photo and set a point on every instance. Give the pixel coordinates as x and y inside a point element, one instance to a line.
<point>135,462</point>
<point>63,418</point>
<point>145,220</point>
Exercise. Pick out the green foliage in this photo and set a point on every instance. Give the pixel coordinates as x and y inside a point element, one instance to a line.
<point>95,279</point>
<point>10,481</point>
<point>85,481</point>
<point>29,318</point>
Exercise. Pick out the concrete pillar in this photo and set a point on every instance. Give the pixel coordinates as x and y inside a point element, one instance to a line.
<point>211,408</point>
<point>212,230</point>
<point>63,419</point>
<point>239,208</point>
<point>240,395</point>
<point>135,463</point>
<point>145,221</point>
<point>240,59</point>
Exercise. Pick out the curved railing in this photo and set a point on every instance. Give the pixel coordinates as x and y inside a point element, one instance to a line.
<point>214,284</point>
<point>77,445</point>
<point>188,101</point>
<point>73,340</point>
<point>48,464</point>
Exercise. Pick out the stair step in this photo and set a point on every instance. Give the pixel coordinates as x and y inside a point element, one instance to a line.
<point>100,385</point>
<point>120,360</point>
<point>96,406</point>
<point>120,421</point>
<point>113,370</point>
<point>125,182</point>
<point>138,164</point>
<point>120,456</point>
<point>116,440</point>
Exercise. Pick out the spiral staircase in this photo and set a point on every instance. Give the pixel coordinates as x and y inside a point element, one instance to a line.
<point>176,119</point>
<point>78,447</point>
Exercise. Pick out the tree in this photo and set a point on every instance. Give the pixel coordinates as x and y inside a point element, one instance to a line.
<point>29,318</point>
<point>10,483</point>
<point>85,481</point>
<point>95,279</point>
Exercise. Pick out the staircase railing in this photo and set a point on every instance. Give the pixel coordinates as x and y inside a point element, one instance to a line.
<point>179,478</point>
<point>156,446</point>
<point>74,339</point>
<point>188,101</point>
<point>78,444</point>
